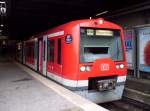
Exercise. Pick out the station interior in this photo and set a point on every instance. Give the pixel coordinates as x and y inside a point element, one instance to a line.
<point>24,89</point>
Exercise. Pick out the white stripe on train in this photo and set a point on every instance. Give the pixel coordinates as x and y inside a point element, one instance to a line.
<point>74,83</point>
<point>121,78</point>
<point>56,34</point>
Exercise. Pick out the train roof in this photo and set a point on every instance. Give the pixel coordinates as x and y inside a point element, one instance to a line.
<point>82,23</point>
<point>87,23</point>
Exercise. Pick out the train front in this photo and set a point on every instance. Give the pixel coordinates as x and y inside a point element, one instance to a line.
<point>102,67</point>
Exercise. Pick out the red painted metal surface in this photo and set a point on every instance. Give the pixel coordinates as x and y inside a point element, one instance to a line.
<point>70,57</point>
<point>30,52</point>
<point>41,55</point>
<point>71,52</point>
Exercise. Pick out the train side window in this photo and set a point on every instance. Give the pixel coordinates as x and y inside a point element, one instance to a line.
<point>50,50</point>
<point>59,52</point>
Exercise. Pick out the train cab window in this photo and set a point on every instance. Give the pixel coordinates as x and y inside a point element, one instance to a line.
<point>100,43</point>
<point>96,50</point>
<point>59,52</point>
<point>50,50</point>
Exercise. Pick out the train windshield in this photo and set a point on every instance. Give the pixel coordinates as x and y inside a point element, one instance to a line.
<point>100,43</point>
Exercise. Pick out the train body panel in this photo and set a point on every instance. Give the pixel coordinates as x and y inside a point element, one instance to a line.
<point>30,51</point>
<point>86,56</point>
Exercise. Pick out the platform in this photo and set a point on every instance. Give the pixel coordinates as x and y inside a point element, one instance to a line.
<point>138,90</point>
<point>22,89</point>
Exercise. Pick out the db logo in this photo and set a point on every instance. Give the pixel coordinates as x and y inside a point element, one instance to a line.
<point>104,67</point>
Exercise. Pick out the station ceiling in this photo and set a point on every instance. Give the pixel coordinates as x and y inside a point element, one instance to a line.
<point>28,17</point>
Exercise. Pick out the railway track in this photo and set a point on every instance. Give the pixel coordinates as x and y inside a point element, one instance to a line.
<point>126,105</point>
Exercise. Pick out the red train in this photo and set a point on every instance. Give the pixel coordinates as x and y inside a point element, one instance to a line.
<point>85,56</point>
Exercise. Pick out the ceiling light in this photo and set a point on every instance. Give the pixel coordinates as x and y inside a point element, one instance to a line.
<point>2,2</point>
<point>101,13</point>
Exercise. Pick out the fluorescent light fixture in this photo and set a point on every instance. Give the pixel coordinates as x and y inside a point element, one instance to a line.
<point>2,2</point>
<point>101,13</point>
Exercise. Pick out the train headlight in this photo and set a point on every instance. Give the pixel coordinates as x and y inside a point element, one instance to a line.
<point>121,66</point>
<point>117,66</point>
<point>88,68</point>
<point>82,68</point>
<point>101,21</point>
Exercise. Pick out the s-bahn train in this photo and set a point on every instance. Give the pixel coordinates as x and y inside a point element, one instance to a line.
<point>85,56</point>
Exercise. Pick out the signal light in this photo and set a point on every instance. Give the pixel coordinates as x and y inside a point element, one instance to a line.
<point>119,66</point>
<point>88,68</point>
<point>82,68</point>
<point>85,68</point>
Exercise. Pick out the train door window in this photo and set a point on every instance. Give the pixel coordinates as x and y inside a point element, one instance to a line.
<point>44,50</point>
<point>35,49</point>
<point>32,50</point>
<point>59,51</point>
<point>51,50</point>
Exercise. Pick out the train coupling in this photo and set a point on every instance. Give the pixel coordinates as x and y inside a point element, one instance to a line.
<point>108,84</point>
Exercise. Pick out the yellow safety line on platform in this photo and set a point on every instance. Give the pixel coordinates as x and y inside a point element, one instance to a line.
<point>77,100</point>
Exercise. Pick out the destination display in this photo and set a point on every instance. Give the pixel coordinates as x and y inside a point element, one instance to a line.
<point>92,32</point>
<point>104,33</point>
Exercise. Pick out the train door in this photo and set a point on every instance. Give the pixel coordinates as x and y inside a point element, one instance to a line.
<point>54,67</point>
<point>44,55</point>
<point>40,55</point>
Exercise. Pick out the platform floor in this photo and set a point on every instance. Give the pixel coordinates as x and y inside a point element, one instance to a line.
<point>20,91</point>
